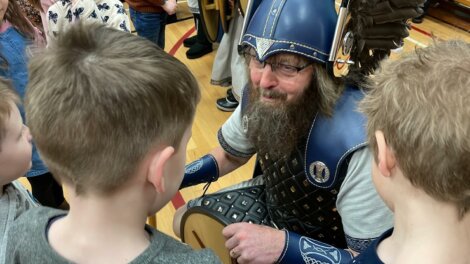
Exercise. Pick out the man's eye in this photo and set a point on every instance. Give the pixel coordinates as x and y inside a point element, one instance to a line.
<point>287,68</point>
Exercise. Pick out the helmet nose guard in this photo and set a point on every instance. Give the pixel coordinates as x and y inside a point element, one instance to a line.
<point>304,27</point>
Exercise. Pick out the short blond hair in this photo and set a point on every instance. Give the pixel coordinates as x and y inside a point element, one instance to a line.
<point>421,102</point>
<point>7,96</point>
<point>99,99</point>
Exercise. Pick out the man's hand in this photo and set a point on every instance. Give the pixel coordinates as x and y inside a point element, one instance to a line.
<point>170,7</point>
<point>250,243</point>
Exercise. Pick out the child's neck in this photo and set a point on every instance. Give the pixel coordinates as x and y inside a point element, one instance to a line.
<point>426,229</point>
<point>109,231</point>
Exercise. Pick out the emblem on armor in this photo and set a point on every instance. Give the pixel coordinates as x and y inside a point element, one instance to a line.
<point>319,171</point>
<point>193,167</point>
<point>245,123</point>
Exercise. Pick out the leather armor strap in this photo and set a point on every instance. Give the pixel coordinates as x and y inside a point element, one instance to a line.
<point>301,249</point>
<point>199,171</point>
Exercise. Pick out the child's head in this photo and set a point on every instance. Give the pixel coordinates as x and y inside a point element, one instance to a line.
<point>420,103</point>
<point>99,100</point>
<point>10,11</point>
<point>15,140</point>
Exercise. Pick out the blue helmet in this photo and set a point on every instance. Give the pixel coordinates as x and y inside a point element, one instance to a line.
<point>304,27</point>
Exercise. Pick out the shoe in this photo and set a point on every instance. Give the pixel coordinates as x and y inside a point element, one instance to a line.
<point>227,104</point>
<point>198,50</point>
<point>417,20</point>
<point>188,42</point>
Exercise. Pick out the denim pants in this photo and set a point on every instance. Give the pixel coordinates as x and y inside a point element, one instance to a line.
<point>13,49</point>
<point>150,26</point>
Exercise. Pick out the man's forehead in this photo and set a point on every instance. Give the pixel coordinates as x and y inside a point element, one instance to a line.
<point>287,57</point>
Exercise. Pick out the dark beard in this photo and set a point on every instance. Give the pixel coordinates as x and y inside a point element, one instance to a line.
<point>278,129</point>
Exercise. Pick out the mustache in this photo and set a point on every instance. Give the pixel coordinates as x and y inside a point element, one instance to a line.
<point>272,94</point>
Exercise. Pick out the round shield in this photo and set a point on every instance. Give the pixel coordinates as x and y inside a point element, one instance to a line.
<point>226,14</point>
<point>210,18</point>
<point>343,59</point>
<point>243,5</point>
<point>201,229</point>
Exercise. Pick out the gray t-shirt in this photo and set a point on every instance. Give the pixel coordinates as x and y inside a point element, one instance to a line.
<point>363,213</point>
<point>28,243</point>
<point>14,202</point>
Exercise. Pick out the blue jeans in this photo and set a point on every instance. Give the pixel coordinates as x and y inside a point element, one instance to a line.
<point>150,26</point>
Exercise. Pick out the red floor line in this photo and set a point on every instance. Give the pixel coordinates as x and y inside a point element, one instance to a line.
<point>180,41</point>
<point>421,31</point>
<point>178,199</point>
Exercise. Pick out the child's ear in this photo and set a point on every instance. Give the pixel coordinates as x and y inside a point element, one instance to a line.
<point>157,168</point>
<point>386,158</point>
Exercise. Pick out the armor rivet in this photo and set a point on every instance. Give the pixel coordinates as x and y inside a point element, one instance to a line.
<point>244,202</point>
<point>320,219</point>
<point>219,209</point>
<point>206,203</point>
<point>306,206</point>
<point>283,194</point>
<point>334,228</point>
<point>274,11</point>
<point>234,216</point>
<point>305,182</point>
<point>283,169</point>
<point>229,196</point>
<point>292,189</point>
<point>292,46</point>
<point>319,198</point>
<point>266,156</point>
<point>315,53</point>
<point>295,162</point>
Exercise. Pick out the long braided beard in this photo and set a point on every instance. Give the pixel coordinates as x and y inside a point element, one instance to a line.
<point>278,128</point>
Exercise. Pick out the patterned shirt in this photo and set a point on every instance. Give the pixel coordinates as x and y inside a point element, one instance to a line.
<point>65,12</point>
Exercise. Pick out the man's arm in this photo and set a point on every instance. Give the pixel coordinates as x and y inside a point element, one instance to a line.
<point>211,166</point>
<point>251,243</point>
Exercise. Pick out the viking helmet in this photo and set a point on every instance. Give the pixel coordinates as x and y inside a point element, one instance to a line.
<point>304,27</point>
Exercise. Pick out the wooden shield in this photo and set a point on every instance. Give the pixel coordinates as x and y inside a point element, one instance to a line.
<point>340,59</point>
<point>210,17</point>
<point>200,229</point>
<point>243,4</point>
<point>226,14</point>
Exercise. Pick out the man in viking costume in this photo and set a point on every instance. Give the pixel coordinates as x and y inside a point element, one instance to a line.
<point>313,201</point>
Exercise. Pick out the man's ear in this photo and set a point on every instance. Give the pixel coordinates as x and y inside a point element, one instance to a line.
<point>157,167</point>
<point>386,158</point>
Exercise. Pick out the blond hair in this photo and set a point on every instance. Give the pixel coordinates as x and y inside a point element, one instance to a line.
<point>7,96</point>
<point>99,99</point>
<point>421,102</point>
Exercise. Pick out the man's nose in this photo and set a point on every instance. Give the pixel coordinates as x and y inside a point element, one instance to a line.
<point>268,79</point>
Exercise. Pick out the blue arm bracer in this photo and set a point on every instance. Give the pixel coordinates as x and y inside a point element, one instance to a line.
<point>199,171</point>
<point>301,249</point>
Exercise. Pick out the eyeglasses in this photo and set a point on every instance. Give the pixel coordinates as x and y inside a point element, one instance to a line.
<point>282,69</point>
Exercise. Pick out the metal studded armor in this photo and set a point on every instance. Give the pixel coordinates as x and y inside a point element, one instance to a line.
<point>301,188</point>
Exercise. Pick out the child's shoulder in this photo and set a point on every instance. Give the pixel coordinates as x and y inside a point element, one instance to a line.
<point>167,249</point>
